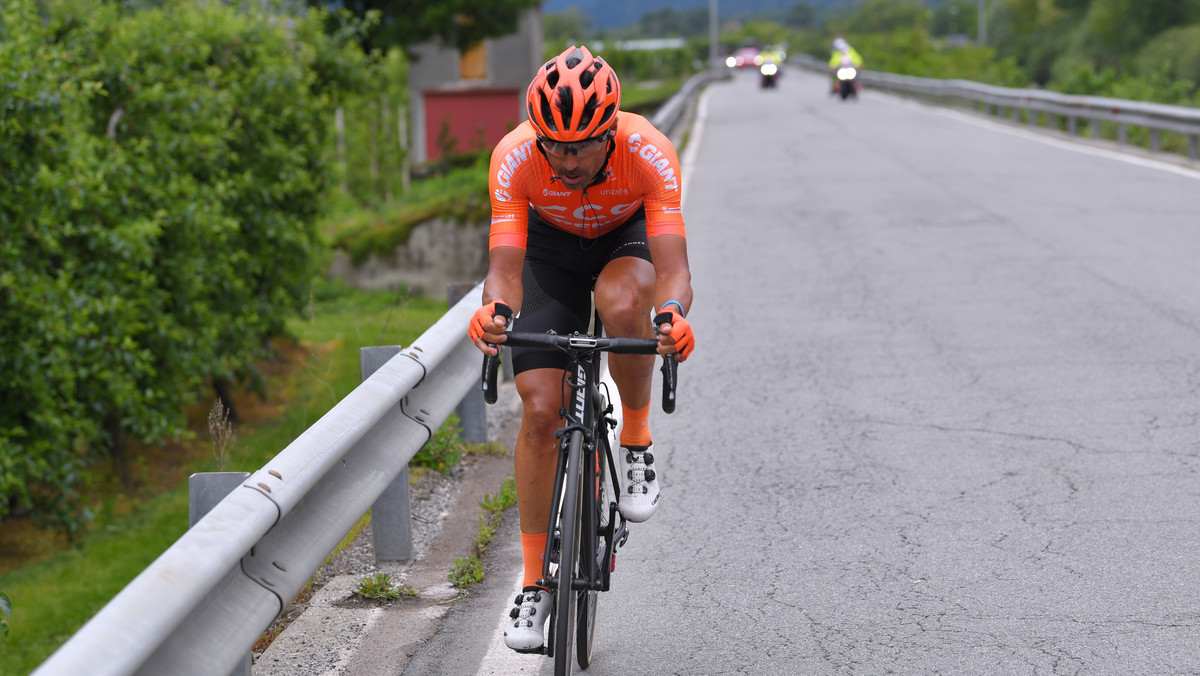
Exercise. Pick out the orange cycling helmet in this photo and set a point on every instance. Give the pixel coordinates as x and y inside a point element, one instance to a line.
<point>574,97</point>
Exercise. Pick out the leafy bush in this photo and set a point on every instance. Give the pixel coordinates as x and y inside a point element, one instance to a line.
<point>1174,53</point>
<point>158,223</point>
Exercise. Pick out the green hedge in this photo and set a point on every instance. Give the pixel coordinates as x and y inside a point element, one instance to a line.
<point>163,172</point>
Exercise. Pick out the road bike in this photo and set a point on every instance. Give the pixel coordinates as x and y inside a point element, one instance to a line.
<point>586,528</point>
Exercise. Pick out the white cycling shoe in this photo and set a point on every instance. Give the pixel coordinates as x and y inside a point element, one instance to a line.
<point>639,483</point>
<point>525,632</point>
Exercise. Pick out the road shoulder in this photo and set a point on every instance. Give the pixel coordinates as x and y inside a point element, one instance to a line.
<point>339,634</point>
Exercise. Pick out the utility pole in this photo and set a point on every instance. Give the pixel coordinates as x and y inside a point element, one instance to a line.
<point>712,33</point>
<point>982,22</point>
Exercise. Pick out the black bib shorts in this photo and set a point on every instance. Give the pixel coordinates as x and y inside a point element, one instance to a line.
<point>560,272</point>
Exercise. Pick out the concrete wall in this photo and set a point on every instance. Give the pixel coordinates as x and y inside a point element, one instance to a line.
<point>438,252</point>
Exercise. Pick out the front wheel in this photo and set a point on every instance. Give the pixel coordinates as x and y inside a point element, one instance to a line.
<point>586,633</point>
<point>567,598</point>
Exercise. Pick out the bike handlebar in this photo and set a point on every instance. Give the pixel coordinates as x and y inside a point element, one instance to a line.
<point>575,344</point>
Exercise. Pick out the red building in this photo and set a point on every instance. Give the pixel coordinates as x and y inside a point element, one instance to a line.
<point>468,101</point>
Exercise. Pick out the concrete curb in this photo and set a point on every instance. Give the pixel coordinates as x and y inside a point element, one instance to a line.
<point>340,635</point>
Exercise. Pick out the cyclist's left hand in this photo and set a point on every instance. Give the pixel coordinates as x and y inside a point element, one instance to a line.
<point>675,335</point>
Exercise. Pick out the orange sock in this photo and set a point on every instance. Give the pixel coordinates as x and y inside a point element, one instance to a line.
<point>533,547</point>
<point>636,430</point>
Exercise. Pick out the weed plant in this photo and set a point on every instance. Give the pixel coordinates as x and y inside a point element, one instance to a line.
<point>469,570</point>
<point>381,588</point>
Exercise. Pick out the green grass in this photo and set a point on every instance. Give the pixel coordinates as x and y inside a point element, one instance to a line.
<point>52,598</point>
<point>469,570</point>
<point>646,100</point>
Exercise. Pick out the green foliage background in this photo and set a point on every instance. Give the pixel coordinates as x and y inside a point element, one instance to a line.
<point>163,173</point>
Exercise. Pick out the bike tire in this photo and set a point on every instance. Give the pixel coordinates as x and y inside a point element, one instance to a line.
<point>586,631</point>
<point>567,598</point>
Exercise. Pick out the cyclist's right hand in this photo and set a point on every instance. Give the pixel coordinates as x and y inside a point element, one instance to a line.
<point>487,326</point>
<point>674,335</point>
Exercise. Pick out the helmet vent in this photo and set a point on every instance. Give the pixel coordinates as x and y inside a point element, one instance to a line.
<point>589,111</point>
<point>608,113</point>
<point>587,77</point>
<point>575,58</point>
<point>547,114</point>
<point>564,102</point>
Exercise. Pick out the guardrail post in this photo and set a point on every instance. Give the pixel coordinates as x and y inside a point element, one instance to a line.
<point>391,515</point>
<point>472,412</point>
<point>1123,133</point>
<point>1194,146</point>
<point>1155,140</point>
<point>205,490</point>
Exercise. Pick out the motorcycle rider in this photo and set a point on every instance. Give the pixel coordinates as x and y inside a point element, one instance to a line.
<point>841,56</point>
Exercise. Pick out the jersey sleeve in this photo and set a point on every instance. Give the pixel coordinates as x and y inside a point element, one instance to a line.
<point>509,198</point>
<point>658,166</point>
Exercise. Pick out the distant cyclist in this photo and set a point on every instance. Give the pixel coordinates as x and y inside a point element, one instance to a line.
<point>585,199</point>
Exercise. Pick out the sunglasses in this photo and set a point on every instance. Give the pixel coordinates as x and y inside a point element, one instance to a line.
<point>578,148</point>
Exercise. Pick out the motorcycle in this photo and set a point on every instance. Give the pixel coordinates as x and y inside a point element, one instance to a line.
<point>847,82</point>
<point>769,75</point>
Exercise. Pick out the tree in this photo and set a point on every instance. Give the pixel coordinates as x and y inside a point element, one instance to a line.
<point>460,24</point>
<point>566,28</point>
<point>883,16</point>
<point>800,16</point>
<point>1114,30</point>
<point>957,17</point>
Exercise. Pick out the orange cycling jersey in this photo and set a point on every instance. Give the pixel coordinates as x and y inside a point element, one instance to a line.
<point>643,170</point>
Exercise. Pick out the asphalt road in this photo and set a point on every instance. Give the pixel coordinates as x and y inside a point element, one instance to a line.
<point>942,417</point>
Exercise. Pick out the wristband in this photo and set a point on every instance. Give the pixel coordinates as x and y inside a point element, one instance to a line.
<point>676,304</point>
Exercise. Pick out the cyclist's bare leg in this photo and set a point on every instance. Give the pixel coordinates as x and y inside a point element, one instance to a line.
<point>624,294</point>
<point>541,392</point>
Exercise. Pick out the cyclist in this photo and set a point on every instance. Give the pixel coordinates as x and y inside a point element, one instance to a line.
<point>585,200</point>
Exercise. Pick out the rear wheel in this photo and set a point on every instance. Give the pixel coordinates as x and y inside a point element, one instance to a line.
<point>567,598</point>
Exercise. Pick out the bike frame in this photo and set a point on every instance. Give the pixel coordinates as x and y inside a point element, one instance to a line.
<point>586,426</point>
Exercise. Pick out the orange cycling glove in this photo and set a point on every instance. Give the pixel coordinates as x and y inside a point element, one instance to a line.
<point>681,332</point>
<point>485,315</point>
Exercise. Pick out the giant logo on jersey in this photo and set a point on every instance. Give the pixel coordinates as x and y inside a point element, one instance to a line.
<point>656,159</point>
<point>508,166</point>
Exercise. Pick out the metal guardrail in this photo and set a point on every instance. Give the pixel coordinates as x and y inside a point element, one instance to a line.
<point>668,117</point>
<point>1032,104</point>
<point>199,608</point>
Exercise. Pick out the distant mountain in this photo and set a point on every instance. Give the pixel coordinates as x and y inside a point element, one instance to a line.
<point>618,13</point>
